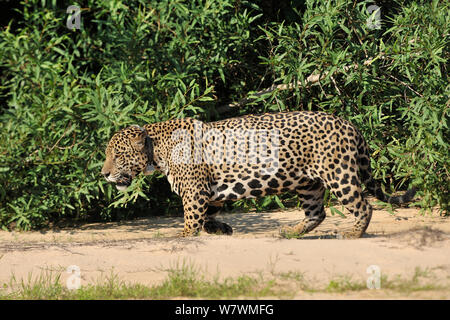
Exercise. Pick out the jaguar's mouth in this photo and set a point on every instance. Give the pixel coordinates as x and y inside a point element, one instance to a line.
<point>122,187</point>
<point>123,183</point>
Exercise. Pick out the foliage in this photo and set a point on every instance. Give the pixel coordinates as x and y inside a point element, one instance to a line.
<point>64,92</point>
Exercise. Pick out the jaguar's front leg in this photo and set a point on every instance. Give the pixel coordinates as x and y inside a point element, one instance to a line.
<point>211,224</point>
<point>195,205</point>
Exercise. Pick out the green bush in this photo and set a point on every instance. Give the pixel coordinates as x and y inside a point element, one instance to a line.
<point>64,92</point>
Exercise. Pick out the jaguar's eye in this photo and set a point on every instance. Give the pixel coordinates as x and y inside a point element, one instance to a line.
<point>115,155</point>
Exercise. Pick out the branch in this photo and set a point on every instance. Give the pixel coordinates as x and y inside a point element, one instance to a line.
<point>313,78</point>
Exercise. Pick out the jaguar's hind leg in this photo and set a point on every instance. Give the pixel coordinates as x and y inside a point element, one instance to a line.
<point>311,196</point>
<point>350,195</point>
<point>362,211</point>
<point>211,225</point>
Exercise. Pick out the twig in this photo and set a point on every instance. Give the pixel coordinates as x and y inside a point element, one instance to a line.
<point>60,138</point>
<point>403,83</point>
<point>335,85</point>
<point>313,78</point>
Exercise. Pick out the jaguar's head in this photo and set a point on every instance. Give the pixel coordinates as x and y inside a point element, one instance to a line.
<point>129,152</point>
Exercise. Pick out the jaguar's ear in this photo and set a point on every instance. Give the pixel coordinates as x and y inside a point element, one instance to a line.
<point>138,141</point>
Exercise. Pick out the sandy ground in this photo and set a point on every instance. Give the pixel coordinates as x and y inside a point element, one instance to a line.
<point>143,250</point>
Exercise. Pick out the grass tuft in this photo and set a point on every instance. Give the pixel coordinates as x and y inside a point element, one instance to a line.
<point>190,281</point>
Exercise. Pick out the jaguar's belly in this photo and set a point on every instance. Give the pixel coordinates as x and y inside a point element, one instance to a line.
<point>252,185</point>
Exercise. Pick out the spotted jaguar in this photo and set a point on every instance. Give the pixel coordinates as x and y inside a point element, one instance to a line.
<point>252,156</point>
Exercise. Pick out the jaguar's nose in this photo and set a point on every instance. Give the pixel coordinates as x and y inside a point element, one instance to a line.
<point>105,174</point>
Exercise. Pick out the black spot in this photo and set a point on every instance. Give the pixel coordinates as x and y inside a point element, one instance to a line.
<point>222,188</point>
<point>281,176</point>
<point>273,183</point>
<point>239,188</point>
<point>316,185</point>
<point>254,184</point>
<point>346,190</point>
<point>256,193</point>
<point>271,191</point>
<point>287,183</point>
<point>232,196</point>
<point>307,196</point>
<point>205,193</point>
<point>220,197</point>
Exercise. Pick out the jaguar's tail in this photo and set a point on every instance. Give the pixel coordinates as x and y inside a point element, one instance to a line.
<point>374,186</point>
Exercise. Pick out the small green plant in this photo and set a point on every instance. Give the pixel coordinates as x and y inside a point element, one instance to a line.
<point>345,284</point>
<point>421,280</point>
<point>187,280</point>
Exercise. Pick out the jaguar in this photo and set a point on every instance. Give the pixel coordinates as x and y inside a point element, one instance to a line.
<point>252,156</point>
